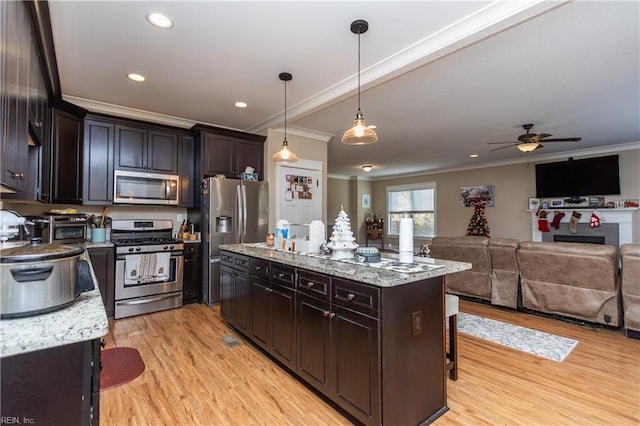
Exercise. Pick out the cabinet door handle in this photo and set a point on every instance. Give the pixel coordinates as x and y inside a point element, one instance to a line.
<point>326,314</point>
<point>332,315</point>
<point>258,268</point>
<point>16,175</point>
<point>280,275</point>
<point>103,343</point>
<point>351,296</point>
<point>310,284</point>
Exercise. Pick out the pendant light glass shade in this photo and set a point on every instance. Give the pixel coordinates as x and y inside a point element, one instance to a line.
<point>360,133</point>
<point>285,155</point>
<point>528,146</point>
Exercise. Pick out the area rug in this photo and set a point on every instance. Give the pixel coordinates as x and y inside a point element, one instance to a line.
<point>535,342</point>
<point>119,366</point>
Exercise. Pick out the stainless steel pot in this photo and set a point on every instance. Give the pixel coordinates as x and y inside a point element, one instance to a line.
<point>37,278</point>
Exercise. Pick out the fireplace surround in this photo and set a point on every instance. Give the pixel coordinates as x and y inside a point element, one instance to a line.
<point>618,226</point>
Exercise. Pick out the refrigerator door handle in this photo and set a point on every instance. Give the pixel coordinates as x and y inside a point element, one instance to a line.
<point>244,213</point>
<point>214,260</point>
<point>239,225</point>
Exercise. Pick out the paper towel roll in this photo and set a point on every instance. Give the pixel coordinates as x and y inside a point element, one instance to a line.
<point>405,243</point>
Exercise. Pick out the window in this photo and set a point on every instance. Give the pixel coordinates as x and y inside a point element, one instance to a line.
<point>419,201</point>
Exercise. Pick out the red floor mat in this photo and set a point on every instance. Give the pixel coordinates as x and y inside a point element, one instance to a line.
<point>119,366</point>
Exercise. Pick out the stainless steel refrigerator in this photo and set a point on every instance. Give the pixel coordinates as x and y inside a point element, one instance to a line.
<point>235,211</point>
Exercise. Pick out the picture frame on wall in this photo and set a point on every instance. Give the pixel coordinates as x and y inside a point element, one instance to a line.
<point>366,201</point>
<point>534,203</point>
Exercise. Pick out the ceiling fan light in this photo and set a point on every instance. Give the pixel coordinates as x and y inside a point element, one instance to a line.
<point>528,146</point>
<point>285,155</point>
<point>359,134</point>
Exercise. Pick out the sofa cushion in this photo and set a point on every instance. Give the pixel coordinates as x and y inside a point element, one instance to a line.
<point>630,255</point>
<point>505,272</point>
<point>571,279</point>
<point>473,249</point>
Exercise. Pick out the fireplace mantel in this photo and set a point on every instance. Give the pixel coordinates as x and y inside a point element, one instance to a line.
<point>628,221</point>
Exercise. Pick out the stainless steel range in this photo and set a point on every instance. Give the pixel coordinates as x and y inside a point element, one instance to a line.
<point>149,265</point>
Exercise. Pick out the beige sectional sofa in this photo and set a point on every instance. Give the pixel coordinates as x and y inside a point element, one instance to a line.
<point>575,280</point>
<point>630,255</point>
<point>493,276</point>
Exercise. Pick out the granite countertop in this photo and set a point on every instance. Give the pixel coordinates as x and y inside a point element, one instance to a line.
<point>374,274</point>
<point>85,319</point>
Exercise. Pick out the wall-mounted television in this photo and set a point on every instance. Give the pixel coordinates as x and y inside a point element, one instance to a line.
<point>575,178</point>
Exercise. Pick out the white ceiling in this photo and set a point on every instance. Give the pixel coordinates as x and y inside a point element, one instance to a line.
<point>439,79</point>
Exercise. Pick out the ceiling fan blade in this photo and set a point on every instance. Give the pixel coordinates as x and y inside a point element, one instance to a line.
<point>493,143</point>
<point>503,147</point>
<point>564,140</point>
<point>539,146</point>
<point>544,135</point>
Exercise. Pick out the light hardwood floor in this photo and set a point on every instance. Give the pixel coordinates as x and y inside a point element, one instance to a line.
<point>192,378</point>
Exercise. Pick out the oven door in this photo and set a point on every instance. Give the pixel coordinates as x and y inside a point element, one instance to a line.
<point>127,289</point>
<point>66,233</point>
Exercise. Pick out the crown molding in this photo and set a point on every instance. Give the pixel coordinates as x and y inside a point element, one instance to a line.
<point>485,22</point>
<point>306,133</point>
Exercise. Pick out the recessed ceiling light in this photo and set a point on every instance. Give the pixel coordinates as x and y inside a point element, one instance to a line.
<point>159,20</point>
<point>474,156</point>
<point>136,77</point>
<point>367,168</point>
<point>241,104</point>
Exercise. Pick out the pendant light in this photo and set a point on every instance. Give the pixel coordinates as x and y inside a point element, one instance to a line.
<point>285,155</point>
<point>360,133</point>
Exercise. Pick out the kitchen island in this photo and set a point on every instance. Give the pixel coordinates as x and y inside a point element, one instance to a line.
<point>51,363</point>
<point>368,337</point>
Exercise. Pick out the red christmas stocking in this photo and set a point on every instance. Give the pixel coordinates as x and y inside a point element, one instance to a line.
<point>594,222</point>
<point>543,223</point>
<point>556,219</point>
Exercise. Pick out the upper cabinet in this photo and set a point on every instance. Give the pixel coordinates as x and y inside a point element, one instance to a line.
<point>16,40</point>
<point>97,172</point>
<point>229,153</point>
<point>66,157</point>
<point>139,148</point>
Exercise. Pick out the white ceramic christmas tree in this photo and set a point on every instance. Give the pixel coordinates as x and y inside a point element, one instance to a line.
<point>342,243</point>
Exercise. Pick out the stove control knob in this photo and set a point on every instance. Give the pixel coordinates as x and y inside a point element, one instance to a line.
<point>171,247</point>
<point>165,247</point>
<point>138,248</point>
<point>130,249</point>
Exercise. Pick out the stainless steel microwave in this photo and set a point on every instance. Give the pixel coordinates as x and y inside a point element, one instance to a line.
<point>145,188</point>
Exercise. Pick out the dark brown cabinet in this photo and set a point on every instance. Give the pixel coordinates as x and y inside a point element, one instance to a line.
<point>229,153</point>
<point>337,335</point>
<point>146,150</point>
<point>103,261</point>
<point>338,348</point>
<point>186,163</point>
<point>192,278</point>
<point>66,157</point>
<point>16,38</point>
<point>55,386</point>
<point>97,162</point>
<point>235,290</point>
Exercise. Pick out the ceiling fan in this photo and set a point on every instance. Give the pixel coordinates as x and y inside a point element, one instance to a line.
<point>531,141</point>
